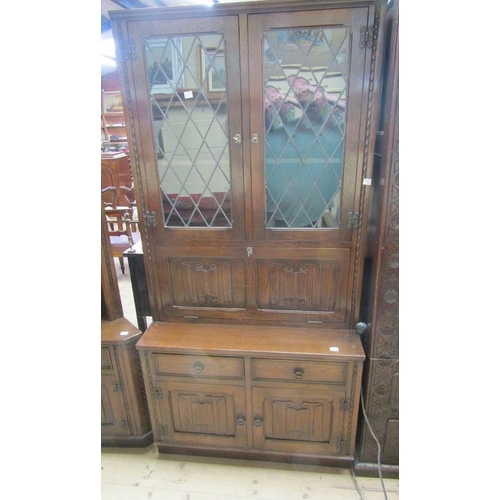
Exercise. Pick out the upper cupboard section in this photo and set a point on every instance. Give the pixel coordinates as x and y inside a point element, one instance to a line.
<point>298,143</point>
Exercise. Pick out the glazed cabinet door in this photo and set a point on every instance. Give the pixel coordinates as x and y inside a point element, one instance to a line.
<point>308,72</point>
<point>185,112</point>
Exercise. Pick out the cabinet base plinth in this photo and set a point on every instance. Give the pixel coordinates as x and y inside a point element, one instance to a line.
<point>128,441</point>
<point>261,455</point>
<point>371,470</point>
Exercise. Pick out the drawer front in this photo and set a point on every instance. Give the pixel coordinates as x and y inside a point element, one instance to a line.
<point>290,370</point>
<point>199,366</point>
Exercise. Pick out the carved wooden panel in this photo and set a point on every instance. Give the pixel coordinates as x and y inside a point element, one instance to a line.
<point>205,412</point>
<point>390,451</point>
<point>382,405</point>
<point>287,419</point>
<point>114,421</point>
<point>207,282</point>
<point>302,284</point>
<point>298,419</point>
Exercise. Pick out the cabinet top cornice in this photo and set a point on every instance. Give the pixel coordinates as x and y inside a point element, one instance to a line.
<point>256,6</point>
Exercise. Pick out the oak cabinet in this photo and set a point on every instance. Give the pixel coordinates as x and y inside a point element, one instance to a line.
<point>253,160</point>
<point>124,412</point>
<point>252,132</point>
<point>249,391</point>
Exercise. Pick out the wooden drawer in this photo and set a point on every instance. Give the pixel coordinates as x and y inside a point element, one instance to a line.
<point>199,366</point>
<point>290,370</point>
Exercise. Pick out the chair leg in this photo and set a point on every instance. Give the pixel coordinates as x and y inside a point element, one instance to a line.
<point>122,264</point>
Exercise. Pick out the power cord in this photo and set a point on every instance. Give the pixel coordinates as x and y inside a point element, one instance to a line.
<point>378,454</point>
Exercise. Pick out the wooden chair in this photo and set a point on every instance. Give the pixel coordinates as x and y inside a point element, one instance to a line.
<point>123,231</point>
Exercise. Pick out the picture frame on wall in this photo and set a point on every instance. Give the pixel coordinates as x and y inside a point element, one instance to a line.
<point>112,102</point>
<point>213,70</point>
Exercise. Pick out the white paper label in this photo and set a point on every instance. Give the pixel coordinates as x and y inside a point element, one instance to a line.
<point>123,333</point>
<point>334,349</point>
<point>367,182</point>
<point>188,94</point>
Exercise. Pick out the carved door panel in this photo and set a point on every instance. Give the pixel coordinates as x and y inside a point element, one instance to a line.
<point>114,420</point>
<point>297,420</point>
<point>201,413</point>
<point>201,282</point>
<point>302,284</point>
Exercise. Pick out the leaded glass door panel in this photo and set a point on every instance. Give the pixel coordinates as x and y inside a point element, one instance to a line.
<point>192,158</point>
<point>306,149</point>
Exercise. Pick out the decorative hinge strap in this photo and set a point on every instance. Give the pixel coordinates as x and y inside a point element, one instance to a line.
<point>150,219</point>
<point>346,404</point>
<point>353,220</point>
<point>368,36</point>
<point>156,392</point>
<point>117,387</point>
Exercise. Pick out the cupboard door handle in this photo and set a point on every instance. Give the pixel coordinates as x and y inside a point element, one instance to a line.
<point>237,139</point>
<point>298,372</point>
<point>257,420</point>
<point>240,419</point>
<point>198,367</point>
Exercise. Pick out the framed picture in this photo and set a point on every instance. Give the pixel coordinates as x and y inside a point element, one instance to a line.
<point>213,69</point>
<point>112,102</point>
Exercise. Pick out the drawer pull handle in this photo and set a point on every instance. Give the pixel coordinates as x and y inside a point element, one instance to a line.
<point>198,367</point>
<point>258,420</point>
<point>298,372</point>
<point>240,419</point>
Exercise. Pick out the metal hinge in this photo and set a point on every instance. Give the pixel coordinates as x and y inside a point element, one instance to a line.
<point>345,404</point>
<point>368,36</point>
<point>124,423</point>
<point>150,219</point>
<point>117,387</point>
<point>353,220</point>
<point>156,392</point>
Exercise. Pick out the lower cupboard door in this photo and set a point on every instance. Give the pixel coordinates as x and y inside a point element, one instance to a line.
<point>298,421</point>
<point>201,414</point>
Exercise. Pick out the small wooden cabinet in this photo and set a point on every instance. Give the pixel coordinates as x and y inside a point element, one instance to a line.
<point>253,392</point>
<point>124,412</point>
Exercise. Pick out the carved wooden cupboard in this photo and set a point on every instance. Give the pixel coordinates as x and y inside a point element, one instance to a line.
<point>124,412</point>
<point>252,129</point>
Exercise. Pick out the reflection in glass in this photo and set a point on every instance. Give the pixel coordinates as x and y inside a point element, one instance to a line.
<point>305,93</point>
<point>187,82</point>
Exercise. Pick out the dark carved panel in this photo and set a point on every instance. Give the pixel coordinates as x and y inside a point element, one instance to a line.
<point>390,451</point>
<point>382,404</point>
<point>298,420</point>
<point>107,416</point>
<point>204,413</point>
<point>387,309</point>
<point>301,285</point>
<point>207,282</point>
